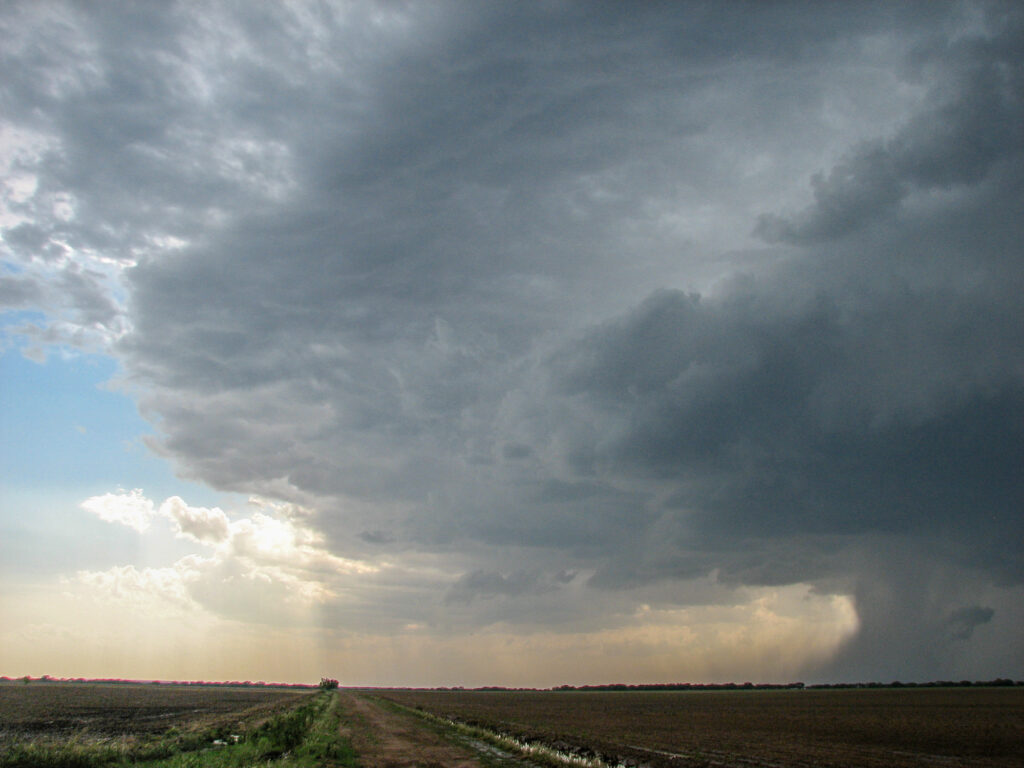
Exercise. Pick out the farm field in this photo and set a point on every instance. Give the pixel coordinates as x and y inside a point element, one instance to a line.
<point>977,727</point>
<point>159,726</point>
<point>113,710</point>
<point>110,726</point>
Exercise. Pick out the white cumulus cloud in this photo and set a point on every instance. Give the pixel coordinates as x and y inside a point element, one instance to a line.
<point>129,508</point>
<point>267,567</point>
<point>207,526</point>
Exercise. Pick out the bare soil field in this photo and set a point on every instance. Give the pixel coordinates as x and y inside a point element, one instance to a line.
<point>950,727</point>
<point>56,709</point>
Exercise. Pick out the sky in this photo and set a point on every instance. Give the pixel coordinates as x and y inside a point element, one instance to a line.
<point>525,344</point>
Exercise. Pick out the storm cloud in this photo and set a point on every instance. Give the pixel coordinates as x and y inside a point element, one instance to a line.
<point>587,306</point>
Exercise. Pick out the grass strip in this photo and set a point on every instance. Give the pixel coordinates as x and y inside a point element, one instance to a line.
<point>535,751</point>
<point>306,737</point>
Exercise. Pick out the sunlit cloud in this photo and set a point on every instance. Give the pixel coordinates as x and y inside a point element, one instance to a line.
<point>255,561</point>
<point>127,508</point>
<point>206,526</point>
<point>145,589</point>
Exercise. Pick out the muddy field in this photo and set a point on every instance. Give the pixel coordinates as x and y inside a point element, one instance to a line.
<point>951,727</point>
<point>60,709</point>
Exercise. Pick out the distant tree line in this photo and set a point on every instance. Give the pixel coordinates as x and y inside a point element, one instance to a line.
<point>998,682</point>
<point>681,687</point>
<point>122,681</point>
<point>330,683</point>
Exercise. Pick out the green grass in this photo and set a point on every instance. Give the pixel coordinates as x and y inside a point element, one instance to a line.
<point>75,752</point>
<point>304,737</point>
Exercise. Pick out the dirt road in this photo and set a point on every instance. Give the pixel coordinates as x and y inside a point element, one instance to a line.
<point>386,739</point>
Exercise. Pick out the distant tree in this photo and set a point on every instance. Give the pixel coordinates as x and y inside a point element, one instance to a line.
<point>327,683</point>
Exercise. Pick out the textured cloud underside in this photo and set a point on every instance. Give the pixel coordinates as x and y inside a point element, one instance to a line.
<point>543,302</point>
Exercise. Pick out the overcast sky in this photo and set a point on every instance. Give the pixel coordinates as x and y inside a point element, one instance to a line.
<point>447,343</point>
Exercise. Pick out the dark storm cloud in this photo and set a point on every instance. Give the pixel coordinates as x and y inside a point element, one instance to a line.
<point>515,451</point>
<point>473,276</point>
<point>488,584</point>
<point>812,419</point>
<point>957,142</point>
<point>27,241</point>
<point>871,387</point>
<point>377,537</point>
<point>78,296</point>
<point>963,621</point>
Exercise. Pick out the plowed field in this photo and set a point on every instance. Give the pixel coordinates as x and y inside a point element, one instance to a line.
<point>950,727</point>
<point>54,709</point>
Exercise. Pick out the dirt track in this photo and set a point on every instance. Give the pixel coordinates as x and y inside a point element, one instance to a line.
<point>387,739</point>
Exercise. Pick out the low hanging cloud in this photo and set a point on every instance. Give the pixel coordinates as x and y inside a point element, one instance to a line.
<point>963,621</point>
<point>489,584</point>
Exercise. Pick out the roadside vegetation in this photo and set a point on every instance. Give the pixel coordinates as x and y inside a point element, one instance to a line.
<point>304,736</point>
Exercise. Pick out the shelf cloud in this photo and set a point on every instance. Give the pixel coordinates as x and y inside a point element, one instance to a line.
<point>520,317</point>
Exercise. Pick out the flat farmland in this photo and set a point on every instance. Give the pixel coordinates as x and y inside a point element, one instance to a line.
<point>75,725</point>
<point>58,709</point>
<point>867,728</point>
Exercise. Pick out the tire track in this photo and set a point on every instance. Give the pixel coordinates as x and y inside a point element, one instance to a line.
<point>385,738</point>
